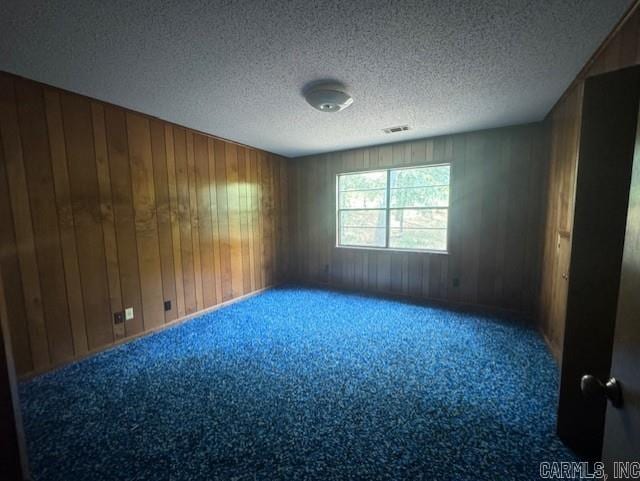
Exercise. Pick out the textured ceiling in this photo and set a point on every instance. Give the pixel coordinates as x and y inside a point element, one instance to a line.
<point>235,69</point>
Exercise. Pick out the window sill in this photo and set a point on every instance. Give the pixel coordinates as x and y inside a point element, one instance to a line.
<point>386,249</point>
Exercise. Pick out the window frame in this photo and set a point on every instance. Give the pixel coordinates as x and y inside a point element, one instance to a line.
<point>387,208</point>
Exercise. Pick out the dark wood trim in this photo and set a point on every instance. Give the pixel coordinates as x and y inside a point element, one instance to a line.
<point>13,452</point>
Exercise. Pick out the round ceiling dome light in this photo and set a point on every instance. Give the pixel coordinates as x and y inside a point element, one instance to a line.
<point>328,98</point>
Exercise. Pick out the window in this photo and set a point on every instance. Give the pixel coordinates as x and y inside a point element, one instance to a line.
<point>405,208</point>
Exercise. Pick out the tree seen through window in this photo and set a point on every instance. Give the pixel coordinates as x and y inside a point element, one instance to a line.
<point>404,208</point>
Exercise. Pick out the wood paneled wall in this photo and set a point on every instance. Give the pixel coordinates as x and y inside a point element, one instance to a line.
<point>622,49</point>
<point>495,220</point>
<point>103,208</point>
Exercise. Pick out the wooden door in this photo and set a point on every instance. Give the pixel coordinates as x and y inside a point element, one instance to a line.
<point>607,143</point>
<point>622,426</point>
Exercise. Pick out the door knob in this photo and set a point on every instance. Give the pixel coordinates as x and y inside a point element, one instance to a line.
<point>593,388</point>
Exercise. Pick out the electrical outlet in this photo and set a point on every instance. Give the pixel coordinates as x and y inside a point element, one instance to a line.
<point>128,313</point>
<point>167,305</point>
<point>118,317</point>
<point>456,282</point>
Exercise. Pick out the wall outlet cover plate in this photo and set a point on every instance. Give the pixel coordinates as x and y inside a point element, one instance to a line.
<point>128,313</point>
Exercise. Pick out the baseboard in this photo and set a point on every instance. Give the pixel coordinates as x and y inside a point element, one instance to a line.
<point>59,365</point>
<point>460,306</point>
<point>444,303</point>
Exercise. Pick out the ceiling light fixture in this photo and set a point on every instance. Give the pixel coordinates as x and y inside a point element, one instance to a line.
<point>328,98</point>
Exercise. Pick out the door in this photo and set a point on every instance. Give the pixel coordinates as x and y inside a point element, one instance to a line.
<point>605,163</point>
<point>622,425</point>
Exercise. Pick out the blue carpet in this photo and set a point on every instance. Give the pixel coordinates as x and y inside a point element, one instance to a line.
<point>304,384</point>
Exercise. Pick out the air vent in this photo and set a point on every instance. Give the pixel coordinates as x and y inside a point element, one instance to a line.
<point>393,130</point>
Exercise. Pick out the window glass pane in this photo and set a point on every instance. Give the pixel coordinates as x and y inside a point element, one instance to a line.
<point>363,199</point>
<point>363,227</point>
<point>426,239</point>
<point>363,181</point>
<point>363,218</point>
<point>418,229</point>
<point>420,197</point>
<point>420,176</point>
<point>364,237</point>
<point>419,218</point>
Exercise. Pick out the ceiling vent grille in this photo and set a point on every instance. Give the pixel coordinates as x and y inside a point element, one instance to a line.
<point>398,128</point>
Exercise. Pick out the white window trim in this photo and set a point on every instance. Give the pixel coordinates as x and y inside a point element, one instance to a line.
<point>388,210</point>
